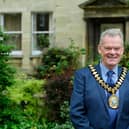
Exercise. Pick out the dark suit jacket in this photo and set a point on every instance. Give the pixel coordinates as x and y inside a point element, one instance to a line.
<point>88,106</point>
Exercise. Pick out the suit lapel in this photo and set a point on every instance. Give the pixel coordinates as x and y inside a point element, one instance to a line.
<point>101,90</point>
<point>122,91</point>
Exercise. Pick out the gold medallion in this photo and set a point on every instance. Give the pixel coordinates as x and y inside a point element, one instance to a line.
<point>113,101</point>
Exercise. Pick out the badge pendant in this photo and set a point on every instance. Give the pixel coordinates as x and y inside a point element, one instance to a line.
<point>113,101</point>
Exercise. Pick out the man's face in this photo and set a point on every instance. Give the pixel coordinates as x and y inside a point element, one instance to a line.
<point>111,50</point>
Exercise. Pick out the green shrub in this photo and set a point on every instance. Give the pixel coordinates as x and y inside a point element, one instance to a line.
<point>125,58</point>
<point>64,113</point>
<point>6,75</point>
<point>58,65</point>
<point>24,104</point>
<point>58,89</point>
<point>6,71</point>
<point>57,60</point>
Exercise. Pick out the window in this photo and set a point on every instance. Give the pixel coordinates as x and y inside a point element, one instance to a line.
<point>11,25</point>
<point>41,31</point>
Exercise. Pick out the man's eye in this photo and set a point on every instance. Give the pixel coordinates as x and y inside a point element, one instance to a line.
<point>107,48</point>
<point>116,49</point>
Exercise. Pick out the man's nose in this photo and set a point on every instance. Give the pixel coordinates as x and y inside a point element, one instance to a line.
<point>112,50</point>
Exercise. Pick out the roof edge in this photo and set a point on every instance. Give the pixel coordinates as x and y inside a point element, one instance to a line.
<point>89,2</point>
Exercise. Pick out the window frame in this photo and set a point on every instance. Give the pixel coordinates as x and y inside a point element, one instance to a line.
<point>2,23</point>
<point>50,31</point>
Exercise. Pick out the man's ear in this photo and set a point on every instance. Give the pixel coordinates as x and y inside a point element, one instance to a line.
<point>99,49</point>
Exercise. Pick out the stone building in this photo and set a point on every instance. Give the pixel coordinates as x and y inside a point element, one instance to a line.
<point>80,20</point>
<point>100,15</point>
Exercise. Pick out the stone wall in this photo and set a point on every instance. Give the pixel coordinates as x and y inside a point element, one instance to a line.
<point>67,24</point>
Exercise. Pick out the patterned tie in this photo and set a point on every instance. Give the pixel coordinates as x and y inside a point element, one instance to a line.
<point>109,78</point>
<point>112,112</point>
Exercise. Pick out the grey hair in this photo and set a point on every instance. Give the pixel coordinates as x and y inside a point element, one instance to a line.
<point>111,32</point>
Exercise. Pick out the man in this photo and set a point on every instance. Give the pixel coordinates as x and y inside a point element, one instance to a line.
<point>100,100</point>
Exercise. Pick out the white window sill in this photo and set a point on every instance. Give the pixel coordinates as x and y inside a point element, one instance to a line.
<point>19,54</point>
<point>16,54</point>
<point>36,53</point>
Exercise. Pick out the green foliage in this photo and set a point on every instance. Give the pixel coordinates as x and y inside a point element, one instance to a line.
<point>29,103</point>
<point>24,104</point>
<point>125,58</point>
<point>25,108</point>
<point>6,76</point>
<point>56,60</point>
<point>64,115</point>
<point>57,67</point>
<point>127,2</point>
<point>24,124</point>
<point>25,89</point>
<point>43,41</point>
<point>6,71</point>
<point>58,89</point>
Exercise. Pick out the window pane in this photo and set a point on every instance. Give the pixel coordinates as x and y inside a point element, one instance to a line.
<point>40,41</point>
<point>12,22</point>
<point>34,42</point>
<point>40,29</point>
<point>15,41</point>
<point>42,21</point>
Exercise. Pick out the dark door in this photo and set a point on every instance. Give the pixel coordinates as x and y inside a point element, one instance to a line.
<point>94,28</point>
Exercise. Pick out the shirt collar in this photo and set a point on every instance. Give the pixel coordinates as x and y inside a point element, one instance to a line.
<point>104,69</point>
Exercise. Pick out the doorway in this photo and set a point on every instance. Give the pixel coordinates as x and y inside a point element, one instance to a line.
<point>94,28</point>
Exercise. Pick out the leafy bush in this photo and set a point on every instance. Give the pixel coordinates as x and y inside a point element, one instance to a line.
<point>58,90</point>
<point>6,71</point>
<point>125,58</point>
<point>58,65</point>
<point>64,113</point>
<point>57,60</point>
<point>6,75</point>
<point>25,107</point>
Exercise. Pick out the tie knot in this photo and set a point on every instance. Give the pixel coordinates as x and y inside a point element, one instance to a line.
<point>110,73</point>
